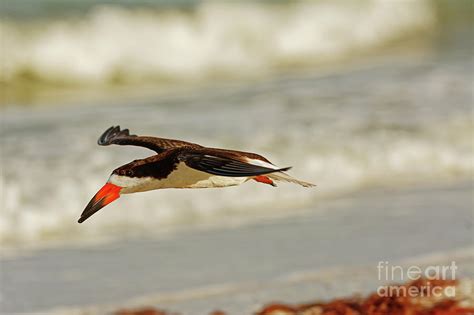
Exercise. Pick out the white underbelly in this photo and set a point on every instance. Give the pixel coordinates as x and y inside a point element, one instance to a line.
<point>182,177</point>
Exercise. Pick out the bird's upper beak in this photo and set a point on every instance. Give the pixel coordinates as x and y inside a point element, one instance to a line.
<point>108,193</point>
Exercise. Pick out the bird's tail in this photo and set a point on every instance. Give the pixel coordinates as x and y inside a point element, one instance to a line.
<point>281,176</point>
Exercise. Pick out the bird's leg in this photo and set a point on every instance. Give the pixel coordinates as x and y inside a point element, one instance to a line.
<point>264,179</point>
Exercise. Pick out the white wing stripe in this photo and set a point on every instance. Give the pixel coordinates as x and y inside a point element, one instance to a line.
<point>261,163</point>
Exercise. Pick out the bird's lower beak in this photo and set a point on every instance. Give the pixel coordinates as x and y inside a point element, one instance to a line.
<point>103,197</point>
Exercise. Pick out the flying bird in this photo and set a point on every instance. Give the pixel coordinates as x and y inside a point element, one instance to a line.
<point>180,164</point>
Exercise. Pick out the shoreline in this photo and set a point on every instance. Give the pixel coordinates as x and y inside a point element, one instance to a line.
<point>293,288</point>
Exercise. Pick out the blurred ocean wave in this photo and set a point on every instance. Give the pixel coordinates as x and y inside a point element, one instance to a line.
<point>192,41</point>
<point>405,121</point>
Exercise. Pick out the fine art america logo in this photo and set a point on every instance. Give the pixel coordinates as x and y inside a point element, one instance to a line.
<point>390,273</point>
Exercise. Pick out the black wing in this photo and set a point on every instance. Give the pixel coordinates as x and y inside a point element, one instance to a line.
<point>224,166</point>
<point>114,135</point>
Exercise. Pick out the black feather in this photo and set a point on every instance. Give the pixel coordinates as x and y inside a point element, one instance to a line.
<point>223,166</point>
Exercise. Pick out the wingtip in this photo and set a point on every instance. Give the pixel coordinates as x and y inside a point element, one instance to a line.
<point>104,137</point>
<point>111,133</point>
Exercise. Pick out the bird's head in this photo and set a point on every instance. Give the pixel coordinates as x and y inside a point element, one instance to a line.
<point>123,180</point>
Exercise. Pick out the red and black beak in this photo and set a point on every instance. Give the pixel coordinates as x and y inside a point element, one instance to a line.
<point>103,197</point>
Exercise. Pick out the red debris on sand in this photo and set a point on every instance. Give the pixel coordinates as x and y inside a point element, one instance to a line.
<point>425,303</point>
<point>280,309</point>
<point>143,311</point>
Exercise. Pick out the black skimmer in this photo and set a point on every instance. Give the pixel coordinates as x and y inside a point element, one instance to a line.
<point>180,164</point>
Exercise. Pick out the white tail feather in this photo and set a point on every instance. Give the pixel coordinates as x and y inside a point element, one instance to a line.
<point>280,176</point>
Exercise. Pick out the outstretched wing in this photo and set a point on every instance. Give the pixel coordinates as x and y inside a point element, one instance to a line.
<point>224,165</point>
<point>114,135</point>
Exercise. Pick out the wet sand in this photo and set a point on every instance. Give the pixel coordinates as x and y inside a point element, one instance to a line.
<point>329,251</point>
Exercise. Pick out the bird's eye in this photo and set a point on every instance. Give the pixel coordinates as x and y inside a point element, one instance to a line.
<point>129,173</point>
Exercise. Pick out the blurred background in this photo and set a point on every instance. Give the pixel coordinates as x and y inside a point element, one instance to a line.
<point>355,95</point>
